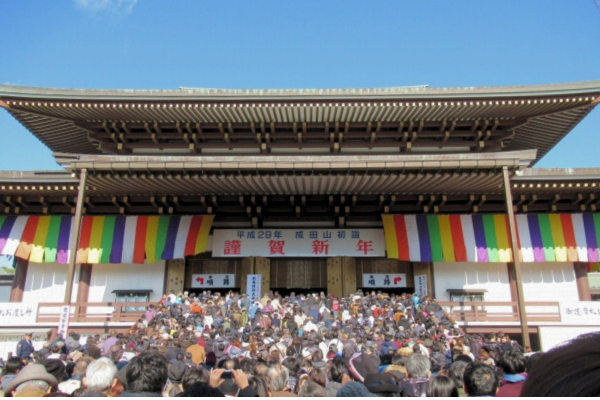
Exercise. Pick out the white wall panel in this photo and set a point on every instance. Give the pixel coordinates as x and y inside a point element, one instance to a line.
<point>109,277</point>
<point>47,282</point>
<point>549,282</point>
<point>492,277</point>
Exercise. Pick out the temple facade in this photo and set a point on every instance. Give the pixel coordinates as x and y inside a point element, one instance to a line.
<point>416,189</point>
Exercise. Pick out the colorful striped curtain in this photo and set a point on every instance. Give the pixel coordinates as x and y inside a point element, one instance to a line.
<point>486,238</point>
<point>105,239</point>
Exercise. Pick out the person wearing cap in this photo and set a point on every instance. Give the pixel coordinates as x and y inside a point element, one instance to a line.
<point>25,347</point>
<point>32,381</point>
<point>175,374</point>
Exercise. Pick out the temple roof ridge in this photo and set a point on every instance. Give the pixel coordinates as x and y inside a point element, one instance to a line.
<point>183,92</point>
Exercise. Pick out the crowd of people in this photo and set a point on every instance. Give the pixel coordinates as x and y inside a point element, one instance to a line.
<point>315,345</point>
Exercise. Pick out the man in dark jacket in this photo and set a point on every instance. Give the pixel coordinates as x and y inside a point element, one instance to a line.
<point>25,347</point>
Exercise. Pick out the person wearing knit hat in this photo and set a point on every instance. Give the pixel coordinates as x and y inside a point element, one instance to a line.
<point>32,372</point>
<point>354,389</point>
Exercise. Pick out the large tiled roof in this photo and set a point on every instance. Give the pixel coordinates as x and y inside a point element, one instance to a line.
<point>527,117</point>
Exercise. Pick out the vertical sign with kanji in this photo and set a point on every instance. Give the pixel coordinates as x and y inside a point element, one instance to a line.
<point>63,322</point>
<point>421,285</point>
<point>254,286</point>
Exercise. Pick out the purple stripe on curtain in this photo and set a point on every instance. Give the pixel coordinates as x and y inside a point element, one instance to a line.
<point>480,242</point>
<point>590,237</point>
<point>62,246</point>
<point>5,231</point>
<point>536,238</point>
<point>424,243</point>
<point>116,254</point>
<point>171,238</point>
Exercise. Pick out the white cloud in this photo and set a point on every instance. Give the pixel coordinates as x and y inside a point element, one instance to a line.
<point>115,7</point>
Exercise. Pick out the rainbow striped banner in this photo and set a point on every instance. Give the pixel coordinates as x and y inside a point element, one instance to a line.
<point>486,238</point>
<point>105,239</point>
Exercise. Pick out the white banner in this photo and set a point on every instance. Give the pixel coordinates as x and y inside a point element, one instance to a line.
<point>208,281</point>
<point>580,312</point>
<point>253,287</point>
<point>421,285</point>
<point>384,280</point>
<point>553,336</point>
<point>63,322</point>
<point>298,243</point>
<point>18,314</point>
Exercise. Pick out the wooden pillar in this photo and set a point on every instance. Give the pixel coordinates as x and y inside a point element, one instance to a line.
<point>175,276</point>
<point>348,275</point>
<point>262,266</point>
<point>334,276</point>
<point>512,283</point>
<point>18,286</point>
<point>583,284</point>
<point>85,278</point>
<point>516,261</point>
<point>75,229</point>
<point>246,269</point>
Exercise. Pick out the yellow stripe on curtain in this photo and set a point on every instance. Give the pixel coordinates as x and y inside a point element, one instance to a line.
<point>389,229</point>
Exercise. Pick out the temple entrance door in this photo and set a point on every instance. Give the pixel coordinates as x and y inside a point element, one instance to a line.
<point>299,275</point>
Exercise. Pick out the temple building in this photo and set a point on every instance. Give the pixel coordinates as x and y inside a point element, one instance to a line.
<point>408,189</point>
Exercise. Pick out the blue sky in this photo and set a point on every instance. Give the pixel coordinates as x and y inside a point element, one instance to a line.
<point>152,44</point>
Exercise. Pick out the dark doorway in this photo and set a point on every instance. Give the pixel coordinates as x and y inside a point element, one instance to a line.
<point>286,291</point>
<point>390,291</point>
<point>222,291</point>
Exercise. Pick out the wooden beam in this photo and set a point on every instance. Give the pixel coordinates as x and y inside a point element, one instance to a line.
<point>516,261</point>
<point>75,230</point>
<point>157,128</point>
